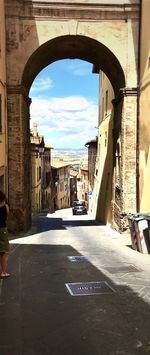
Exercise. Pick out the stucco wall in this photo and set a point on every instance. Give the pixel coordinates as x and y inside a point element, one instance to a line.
<point>38,33</point>
<point>145,109</point>
<point>89,1</point>
<point>3,128</point>
<point>119,37</point>
<point>102,194</point>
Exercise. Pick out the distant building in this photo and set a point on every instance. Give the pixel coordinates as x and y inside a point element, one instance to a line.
<point>82,184</point>
<point>73,185</point>
<point>92,155</point>
<point>60,184</point>
<point>41,172</point>
<point>46,179</point>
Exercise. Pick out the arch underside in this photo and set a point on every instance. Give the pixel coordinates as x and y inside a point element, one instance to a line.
<point>71,47</point>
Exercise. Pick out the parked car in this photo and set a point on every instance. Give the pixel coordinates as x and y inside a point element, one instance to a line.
<point>79,207</point>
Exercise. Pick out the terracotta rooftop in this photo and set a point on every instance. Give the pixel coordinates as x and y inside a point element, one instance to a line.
<point>94,140</point>
<point>57,164</point>
<point>73,172</point>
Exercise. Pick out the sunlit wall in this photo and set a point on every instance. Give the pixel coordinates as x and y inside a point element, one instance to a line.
<point>145,109</point>
<point>3,116</point>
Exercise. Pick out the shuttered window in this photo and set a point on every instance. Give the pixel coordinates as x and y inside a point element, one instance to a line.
<point>0,113</point>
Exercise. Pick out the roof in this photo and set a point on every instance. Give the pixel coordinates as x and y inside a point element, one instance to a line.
<point>85,168</point>
<point>92,141</point>
<point>58,164</point>
<point>73,172</point>
<point>38,140</point>
<point>48,147</point>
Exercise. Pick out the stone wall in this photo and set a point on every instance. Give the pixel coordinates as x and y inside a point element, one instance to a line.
<point>38,33</point>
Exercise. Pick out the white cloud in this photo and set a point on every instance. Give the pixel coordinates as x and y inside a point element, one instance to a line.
<point>41,84</point>
<point>70,120</point>
<point>78,68</point>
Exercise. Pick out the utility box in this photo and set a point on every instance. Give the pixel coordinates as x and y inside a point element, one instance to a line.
<point>132,232</point>
<point>142,234</point>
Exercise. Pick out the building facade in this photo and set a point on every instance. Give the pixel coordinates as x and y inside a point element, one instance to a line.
<point>73,185</point>
<point>61,184</point>
<point>36,188</point>
<point>46,177</point>
<point>30,37</point>
<point>3,108</point>
<point>144,111</point>
<point>92,156</point>
<point>83,184</point>
<point>40,33</point>
<point>37,147</point>
<point>102,199</point>
<point>40,172</point>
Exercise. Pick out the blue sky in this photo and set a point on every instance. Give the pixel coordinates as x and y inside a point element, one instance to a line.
<point>65,103</point>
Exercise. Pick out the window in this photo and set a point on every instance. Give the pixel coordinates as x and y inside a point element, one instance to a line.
<point>0,113</point>
<point>36,154</point>
<point>106,103</point>
<point>39,172</point>
<point>105,138</point>
<point>66,187</point>
<point>37,201</point>
<point>61,186</point>
<point>99,149</point>
<point>2,182</point>
<point>102,108</point>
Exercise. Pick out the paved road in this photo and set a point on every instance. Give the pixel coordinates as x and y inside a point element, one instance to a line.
<point>76,288</point>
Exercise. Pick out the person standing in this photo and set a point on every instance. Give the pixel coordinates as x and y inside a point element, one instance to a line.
<point>4,242</point>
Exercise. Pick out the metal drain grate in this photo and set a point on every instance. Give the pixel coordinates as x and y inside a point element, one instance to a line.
<point>89,288</point>
<point>78,258</point>
<point>122,269</point>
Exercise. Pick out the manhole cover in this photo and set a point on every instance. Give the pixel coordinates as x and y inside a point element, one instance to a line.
<point>78,258</point>
<point>122,269</point>
<point>89,288</point>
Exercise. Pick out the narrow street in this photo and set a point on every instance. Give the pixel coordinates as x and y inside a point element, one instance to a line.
<point>42,313</point>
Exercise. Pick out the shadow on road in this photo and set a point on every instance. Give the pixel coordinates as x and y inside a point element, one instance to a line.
<point>42,223</point>
<point>82,223</point>
<point>39,316</point>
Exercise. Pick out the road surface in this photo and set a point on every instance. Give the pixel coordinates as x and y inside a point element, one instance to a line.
<point>76,288</point>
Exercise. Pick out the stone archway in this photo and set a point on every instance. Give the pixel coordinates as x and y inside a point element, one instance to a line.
<point>38,43</point>
<point>74,46</point>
